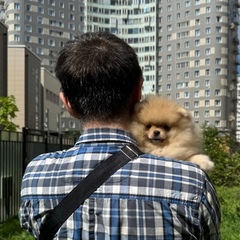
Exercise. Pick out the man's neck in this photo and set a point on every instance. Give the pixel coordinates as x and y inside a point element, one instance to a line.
<point>94,124</point>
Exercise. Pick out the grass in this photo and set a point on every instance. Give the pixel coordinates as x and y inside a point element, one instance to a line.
<point>11,230</point>
<point>230,205</point>
<point>230,230</point>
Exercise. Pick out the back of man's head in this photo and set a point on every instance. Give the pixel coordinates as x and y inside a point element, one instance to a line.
<point>98,72</point>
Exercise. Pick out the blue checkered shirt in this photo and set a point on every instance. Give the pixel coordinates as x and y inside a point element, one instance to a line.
<point>149,198</point>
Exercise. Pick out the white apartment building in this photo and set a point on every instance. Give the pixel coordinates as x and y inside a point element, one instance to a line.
<point>187,49</point>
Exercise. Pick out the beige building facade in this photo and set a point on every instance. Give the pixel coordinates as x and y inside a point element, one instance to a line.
<point>51,105</point>
<point>24,83</point>
<point>3,59</point>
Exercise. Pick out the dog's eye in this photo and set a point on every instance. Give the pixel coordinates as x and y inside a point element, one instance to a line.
<point>148,126</point>
<point>166,127</point>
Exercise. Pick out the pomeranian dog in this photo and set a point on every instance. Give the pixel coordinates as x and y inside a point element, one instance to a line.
<point>163,128</point>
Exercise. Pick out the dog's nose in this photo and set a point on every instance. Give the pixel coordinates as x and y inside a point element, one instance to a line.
<point>156,133</point>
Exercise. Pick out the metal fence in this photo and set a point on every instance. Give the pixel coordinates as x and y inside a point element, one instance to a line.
<point>17,149</point>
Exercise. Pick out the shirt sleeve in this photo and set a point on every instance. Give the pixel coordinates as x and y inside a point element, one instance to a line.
<point>210,213</point>
<point>27,218</point>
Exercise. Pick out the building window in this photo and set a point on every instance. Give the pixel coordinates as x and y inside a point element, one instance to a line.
<point>169,87</point>
<point>207,51</point>
<point>208,30</point>
<point>197,43</point>
<point>71,7</point>
<point>40,10</point>
<point>207,103</point>
<point>197,63</point>
<point>51,2</point>
<point>16,16</point>
<point>219,8</point>
<point>217,92</point>
<point>186,104</point>
<point>17,27</point>
<point>28,38</point>
<point>218,103</point>
<point>186,75</point>
<point>197,12</point>
<point>197,22</point>
<point>39,51</point>
<point>51,42</point>
<point>40,41</point>
<point>16,6</point>
<point>196,73</point>
<point>187,4</point>
<point>208,41</point>
<point>51,12</point>
<point>186,95</point>
<point>207,93</point>
<point>207,61</point>
<point>196,94</point>
<point>218,71</point>
<point>28,28</point>
<point>28,7</point>
<point>196,114</point>
<point>28,18</point>
<point>197,32</point>
<point>207,114</point>
<point>218,29</point>
<point>208,9</point>
<point>217,113</point>
<point>208,20</point>
<point>196,104</point>
<point>40,30</point>
<point>186,44</point>
<point>196,84</point>
<point>17,38</point>
<point>218,40</point>
<point>71,17</point>
<point>197,53</point>
<point>71,26</point>
<point>207,83</point>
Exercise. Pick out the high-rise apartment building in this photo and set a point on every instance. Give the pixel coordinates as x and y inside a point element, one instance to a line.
<point>187,49</point>
<point>43,25</point>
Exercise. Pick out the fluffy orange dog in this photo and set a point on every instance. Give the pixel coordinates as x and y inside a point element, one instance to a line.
<point>163,128</point>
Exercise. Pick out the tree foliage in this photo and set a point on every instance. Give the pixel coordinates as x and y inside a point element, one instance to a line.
<point>227,163</point>
<point>8,111</point>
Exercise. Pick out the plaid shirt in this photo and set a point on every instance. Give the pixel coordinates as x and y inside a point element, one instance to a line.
<point>149,198</point>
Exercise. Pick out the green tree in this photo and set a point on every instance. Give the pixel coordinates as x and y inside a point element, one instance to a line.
<point>227,163</point>
<point>8,111</point>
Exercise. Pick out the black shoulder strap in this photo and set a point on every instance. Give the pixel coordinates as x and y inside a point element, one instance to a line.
<point>56,217</point>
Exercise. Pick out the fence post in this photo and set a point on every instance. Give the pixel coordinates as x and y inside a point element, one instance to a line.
<point>46,140</point>
<point>24,151</point>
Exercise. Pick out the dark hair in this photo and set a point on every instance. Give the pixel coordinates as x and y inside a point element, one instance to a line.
<point>98,72</point>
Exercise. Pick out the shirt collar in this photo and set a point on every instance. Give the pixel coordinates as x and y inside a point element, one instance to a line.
<point>105,135</point>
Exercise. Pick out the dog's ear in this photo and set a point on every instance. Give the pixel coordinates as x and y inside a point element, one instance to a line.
<point>183,112</point>
<point>138,107</point>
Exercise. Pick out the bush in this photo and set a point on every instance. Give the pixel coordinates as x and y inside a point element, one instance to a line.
<point>227,163</point>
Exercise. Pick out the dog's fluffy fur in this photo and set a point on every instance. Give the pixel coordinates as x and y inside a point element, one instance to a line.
<point>164,128</point>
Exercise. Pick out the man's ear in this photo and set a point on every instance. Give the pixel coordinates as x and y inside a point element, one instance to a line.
<point>138,91</point>
<point>67,105</point>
